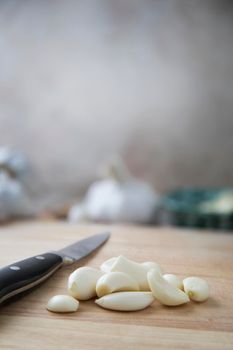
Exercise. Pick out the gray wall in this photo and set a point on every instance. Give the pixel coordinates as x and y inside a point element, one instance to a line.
<point>150,80</point>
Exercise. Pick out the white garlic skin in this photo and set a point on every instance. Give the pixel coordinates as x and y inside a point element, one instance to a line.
<point>174,280</point>
<point>165,292</point>
<point>62,303</point>
<point>113,201</point>
<point>119,197</point>
<point>126,301</point>
<point>115,282</point>
<point>82,283</point>
<point>196,288</point>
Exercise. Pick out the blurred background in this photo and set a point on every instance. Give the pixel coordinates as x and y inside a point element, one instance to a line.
<point>150,81</point>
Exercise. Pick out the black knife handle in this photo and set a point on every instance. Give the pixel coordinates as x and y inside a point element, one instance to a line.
<point>23,275</point>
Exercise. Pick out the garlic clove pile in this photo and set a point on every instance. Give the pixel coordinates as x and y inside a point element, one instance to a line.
<point>165,292</point>
<point>123,287</point>
<point>82,283</point>
<point>62,303</point>
<point>174,280</point>
<point>196,288</point>
<point>115,282</point>
<point>126,301</point>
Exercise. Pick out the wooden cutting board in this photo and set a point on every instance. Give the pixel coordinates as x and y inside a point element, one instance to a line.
<point>26,324</point>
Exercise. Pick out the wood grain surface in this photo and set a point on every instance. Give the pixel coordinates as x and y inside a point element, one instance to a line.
<point>26,324</point>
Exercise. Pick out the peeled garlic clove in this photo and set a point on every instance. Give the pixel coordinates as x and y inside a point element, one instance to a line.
<point>126,301</point>
<point>173,280</point>
<point>196,288</point>
<point>152,265</point>
<point>107,265</point>
<point>115,282</point>
<point>82,283</point>
<point>62,303</point>
<point>133,269</point>
<point>165,292</point>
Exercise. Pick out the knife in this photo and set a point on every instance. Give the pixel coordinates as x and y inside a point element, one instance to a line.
<point>26,274</point>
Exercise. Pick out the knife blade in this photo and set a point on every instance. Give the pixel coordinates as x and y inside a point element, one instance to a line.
<point>26,274</point>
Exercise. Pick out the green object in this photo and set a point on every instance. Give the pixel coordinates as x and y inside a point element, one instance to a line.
<point>199,207</point>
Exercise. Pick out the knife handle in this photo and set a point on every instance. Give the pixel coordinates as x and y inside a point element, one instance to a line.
<point>26,274</point>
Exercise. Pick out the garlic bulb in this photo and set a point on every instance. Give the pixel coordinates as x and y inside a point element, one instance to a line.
<point>13,162</point>
<point>117,198</point>
<point>13,199</point>
<point>14,181</point>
